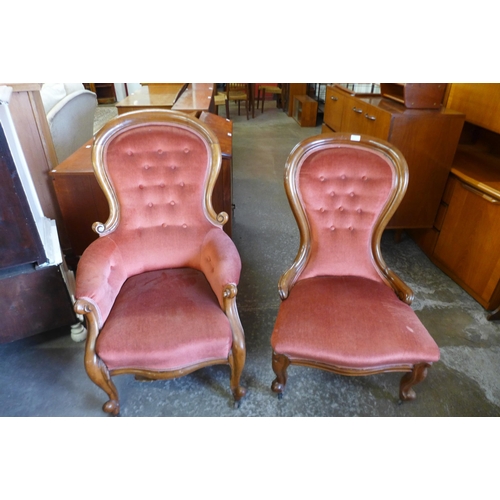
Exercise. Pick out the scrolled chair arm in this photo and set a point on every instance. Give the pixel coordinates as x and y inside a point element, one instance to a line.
<point>99,278</point>
<point>220,263</point>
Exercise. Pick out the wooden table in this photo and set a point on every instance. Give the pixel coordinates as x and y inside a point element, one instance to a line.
<point>161,96</point>
<point>192,98</point>
<point>82,201</point>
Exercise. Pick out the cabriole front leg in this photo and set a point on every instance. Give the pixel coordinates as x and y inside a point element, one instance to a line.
<point>280,364</point>
<point>237,355</point>
<point>419,372</point>
<point>94,366</point>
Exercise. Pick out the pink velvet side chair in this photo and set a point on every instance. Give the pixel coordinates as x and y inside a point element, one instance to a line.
<point>343,310</point>
<point>158,288</point>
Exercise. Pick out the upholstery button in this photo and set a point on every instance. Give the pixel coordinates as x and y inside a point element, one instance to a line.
<point>141,186</point>
<point>364,177</point>
<point>332,193</point>
<point>173,167</point>
<point>184,226</point>
<point>186,150</point>
<point>130,153</point>
<point>322,179</point>
<point>359,210</point>
<point>172,203</point>
<point>160,152</point>
<point>146,167</point>
<point>321,209</point>
<point>162,185</point>
<point>150,205</point>
<point>341,209</point>
<point>164,224</point>
<point>181,184</point>
<point>342,177</point>
<point>350,228</point>
<point>332,228</point>
<point>351,194</point>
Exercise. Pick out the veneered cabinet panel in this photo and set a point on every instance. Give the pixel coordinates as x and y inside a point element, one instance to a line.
<point>469,240</point>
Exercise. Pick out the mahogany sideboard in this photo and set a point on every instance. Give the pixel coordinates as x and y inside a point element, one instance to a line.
<point>428,139</point>
<point>82,201</point>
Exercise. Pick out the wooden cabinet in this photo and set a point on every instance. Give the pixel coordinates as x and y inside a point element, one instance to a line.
<point>465,238</point>
<point>427,138</point>
<point>469,236</point>
<point>105,92</point>
<point>305,110</point>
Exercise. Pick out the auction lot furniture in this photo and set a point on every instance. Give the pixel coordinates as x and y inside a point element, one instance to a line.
<point>343,310</point>
<point>158,288</point>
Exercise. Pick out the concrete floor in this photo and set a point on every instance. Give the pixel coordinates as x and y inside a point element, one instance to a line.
<point>44,375</point>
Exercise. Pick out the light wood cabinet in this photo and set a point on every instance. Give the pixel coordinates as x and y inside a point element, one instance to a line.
<point>427,138</point>
<point>469,238</point>
<point>465,238</point>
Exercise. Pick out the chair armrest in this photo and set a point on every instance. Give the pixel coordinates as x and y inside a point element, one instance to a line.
<point>100,276</point>
<point>220,262</point>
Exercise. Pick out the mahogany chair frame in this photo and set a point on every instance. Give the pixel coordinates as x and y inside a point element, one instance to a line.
<point>95,367</point>
<point>280,362</point>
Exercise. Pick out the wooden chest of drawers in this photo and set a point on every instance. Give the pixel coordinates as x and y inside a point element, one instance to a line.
<point>427,138</point>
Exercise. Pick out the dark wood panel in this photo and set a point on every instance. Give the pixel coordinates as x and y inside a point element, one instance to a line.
<point>19,239</point>
<point>34,302</point>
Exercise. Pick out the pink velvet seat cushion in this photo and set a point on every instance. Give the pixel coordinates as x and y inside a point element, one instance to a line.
<point>350,322</point>
<point>164,320</point>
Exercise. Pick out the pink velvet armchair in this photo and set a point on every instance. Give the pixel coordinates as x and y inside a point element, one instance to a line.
<point>158,288</point>
<point>343,310</point>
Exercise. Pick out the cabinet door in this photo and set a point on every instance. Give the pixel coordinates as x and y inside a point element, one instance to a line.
<point>334,107</point>
<point>469,240</point>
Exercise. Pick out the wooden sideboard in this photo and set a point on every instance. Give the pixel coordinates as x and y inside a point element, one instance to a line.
<point>427,138</point>
<point>82,201</point>
<point>465,236</point>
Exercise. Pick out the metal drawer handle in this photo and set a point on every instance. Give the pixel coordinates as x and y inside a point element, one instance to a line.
<point>333,98</point>
<point>370,117</point>
<point>357,110</point>
<point>480,193</point>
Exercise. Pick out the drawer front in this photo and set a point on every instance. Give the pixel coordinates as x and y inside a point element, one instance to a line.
<point>363,118</point>
<point>334,107</point>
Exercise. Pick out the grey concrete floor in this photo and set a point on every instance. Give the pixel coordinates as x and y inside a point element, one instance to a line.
<point>44,375</point>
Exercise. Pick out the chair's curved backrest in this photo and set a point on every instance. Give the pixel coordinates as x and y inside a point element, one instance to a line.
<point>157,169</point>
<point>343,189</point>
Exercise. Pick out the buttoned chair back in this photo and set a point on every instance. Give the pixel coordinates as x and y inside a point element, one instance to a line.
<point>159,285</point>
<point>342,308</point>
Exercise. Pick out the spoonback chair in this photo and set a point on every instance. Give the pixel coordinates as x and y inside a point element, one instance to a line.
<point>343,310</point>
<point>158,288</point>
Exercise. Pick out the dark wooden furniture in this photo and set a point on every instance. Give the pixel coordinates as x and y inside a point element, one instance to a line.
<point>105,92</point>
<point>464,241</point>
<point>305,110</point>
<point>82,201</point>
<point>33,299</point>
<point>427,138</point>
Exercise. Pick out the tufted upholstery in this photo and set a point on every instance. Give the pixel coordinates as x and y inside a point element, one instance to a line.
<point>341,308</point>
<point>342,205</point>
<point>161,279</point>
